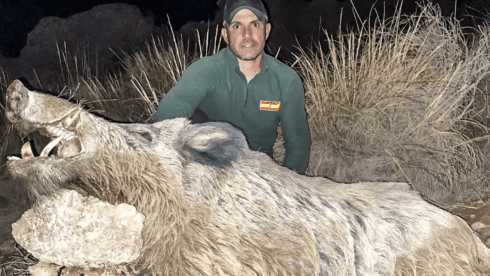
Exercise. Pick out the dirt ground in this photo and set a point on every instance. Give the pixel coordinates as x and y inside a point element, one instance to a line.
<point>477,214</point>
<point>13,204</point>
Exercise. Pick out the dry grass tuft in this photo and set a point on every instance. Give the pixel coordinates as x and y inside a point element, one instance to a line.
<point>395,100</point>
<point>19,264</point>
<point>154,72</point>
<point>4,127</point>
<point>132,95</point>
<point>9,137</point>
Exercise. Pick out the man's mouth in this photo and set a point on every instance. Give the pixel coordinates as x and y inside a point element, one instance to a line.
<point>248,43</point>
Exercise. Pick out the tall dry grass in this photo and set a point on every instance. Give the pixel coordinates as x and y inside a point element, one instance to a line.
<point>395,100</point>
<point>9,137</point>
<point>133,95</point>
<point>106,93</point>
<point>154,72</point>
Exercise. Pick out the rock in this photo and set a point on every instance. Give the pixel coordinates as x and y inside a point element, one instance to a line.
<point>485,232</point>
<point>94,37</point>
<point>478,225</point>
<point>72,230</point>
<point>41,42</point>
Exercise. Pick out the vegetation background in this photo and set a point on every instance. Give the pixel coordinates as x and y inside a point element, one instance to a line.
<point>394,99</point>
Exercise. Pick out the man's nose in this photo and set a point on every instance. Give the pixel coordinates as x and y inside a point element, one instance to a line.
<point>247,31</point>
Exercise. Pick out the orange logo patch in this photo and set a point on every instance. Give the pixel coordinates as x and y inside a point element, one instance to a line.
<point>269,105</point>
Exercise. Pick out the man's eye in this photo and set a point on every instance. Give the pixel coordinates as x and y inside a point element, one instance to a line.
<point>235,26</point>
<point>256,24</point>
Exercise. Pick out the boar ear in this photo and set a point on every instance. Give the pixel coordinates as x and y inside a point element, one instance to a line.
<point>216,144</point>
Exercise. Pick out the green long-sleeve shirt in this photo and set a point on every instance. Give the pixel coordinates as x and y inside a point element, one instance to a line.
<point>215,85</point>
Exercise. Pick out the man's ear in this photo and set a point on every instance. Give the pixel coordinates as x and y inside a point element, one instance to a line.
<point>224,33</point>
<point>267,30</point>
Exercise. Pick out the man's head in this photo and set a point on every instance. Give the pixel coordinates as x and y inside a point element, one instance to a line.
<point>245,28</point>
<point>234,6</point>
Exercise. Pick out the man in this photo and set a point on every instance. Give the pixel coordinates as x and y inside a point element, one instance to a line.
<point>244,86</point>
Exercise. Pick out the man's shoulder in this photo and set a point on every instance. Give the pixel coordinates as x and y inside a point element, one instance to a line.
<point>280,68</point>
<point>208,62</point>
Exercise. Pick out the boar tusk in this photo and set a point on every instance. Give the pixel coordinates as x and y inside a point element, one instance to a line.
<point>49,147</point>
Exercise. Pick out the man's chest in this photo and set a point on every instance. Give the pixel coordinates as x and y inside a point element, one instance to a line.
<point>258,103</point>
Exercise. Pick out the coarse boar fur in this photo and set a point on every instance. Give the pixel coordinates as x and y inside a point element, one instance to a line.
<point>214,207</point>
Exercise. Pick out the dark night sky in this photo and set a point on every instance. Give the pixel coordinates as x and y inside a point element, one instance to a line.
<point>18,17</point>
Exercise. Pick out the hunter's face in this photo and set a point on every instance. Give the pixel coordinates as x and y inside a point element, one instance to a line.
<point>246,35</point>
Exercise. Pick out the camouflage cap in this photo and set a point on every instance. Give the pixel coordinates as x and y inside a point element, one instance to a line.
<point>234,6</point>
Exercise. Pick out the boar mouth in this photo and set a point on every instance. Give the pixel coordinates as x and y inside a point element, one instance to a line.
<point>29,111</point>
<point>63,137</point>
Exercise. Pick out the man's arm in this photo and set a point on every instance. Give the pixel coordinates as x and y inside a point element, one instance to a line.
<point>181,101</point>
<point>295,128</point>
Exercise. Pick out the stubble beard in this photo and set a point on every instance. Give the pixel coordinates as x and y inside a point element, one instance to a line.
<point>246,57</point>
